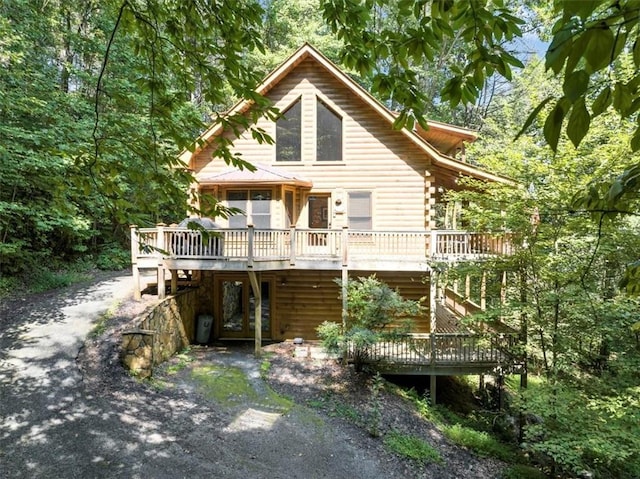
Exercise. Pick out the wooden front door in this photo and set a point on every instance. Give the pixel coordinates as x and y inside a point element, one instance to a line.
<point>236,306</point>
<point>319,218</point>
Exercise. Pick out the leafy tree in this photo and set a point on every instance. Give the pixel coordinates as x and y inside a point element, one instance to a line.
<point>563,294</point>
<point>287,25</point>
<point>372,307</point>
<point>589,40</point>
<point>593,52</point>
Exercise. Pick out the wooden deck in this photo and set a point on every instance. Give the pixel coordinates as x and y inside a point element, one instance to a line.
<point>446,354</point>
<point>263,250</point>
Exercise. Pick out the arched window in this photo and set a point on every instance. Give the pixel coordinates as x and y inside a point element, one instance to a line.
<point>289,133</point>
<point>329,133</point>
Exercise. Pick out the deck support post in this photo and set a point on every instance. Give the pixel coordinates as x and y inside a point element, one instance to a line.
<point>483,291</point>
<point>161,246</point>
<point>433,297</point>
<point>500,380</point>
<point>174,281</point>
<point>467,287</point>
<point>344,245</point>
<point>135,272</point>
<point>345,273</point>
<point>255,279</point>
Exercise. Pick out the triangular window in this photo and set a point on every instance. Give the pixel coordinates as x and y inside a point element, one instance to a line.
<point>329,134</point>
<point>289,133</point>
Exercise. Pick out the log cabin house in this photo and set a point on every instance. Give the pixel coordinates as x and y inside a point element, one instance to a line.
<point>340,193</point>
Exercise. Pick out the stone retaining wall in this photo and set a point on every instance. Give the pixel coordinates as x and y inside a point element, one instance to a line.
<point>162,331</point>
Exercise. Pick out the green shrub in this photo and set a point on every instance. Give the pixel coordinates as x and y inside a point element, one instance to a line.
<point>8,285</point>
<point>412,447</point>
<point>371,307</point>
<point>480,442</point>
<point>585,429</point>
<point>44,280</point>
<point>113,258</point>
<point>520,471</point>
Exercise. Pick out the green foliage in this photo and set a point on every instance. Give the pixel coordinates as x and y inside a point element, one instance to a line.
<point>480,442</point>
<point>230,386</point>
<point>374,413</point>
<point>43,279</point>
<point>520,471</point>
<point>97,101</point>
<point>590,43</point>
<point>390,44</point>
<point>113,258</point>
<point>8,285</point>
<point>563,291</point>
<point>587,426</point>
<point>372,307</point>
<point>412,447</point>
<point>179,362</point>
<point>265,367</point>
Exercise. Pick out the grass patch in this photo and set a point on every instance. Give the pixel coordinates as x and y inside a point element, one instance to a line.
<point>480,442</point>
<point>230,387</point>
<point>469,431</point>
<point>102,322</point>
<point>180,361</point>
<point>520,471</point>
<point>412,447</point>
<point>265,367</point>
<point>44,279</point>
<point>345,411</point>
<point>334,407</point>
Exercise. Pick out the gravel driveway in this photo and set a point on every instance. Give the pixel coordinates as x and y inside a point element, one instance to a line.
<point>69,410</point>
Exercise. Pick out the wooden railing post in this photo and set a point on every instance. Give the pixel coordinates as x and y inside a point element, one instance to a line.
<point>160,247</point>
<point>250,241</point>
<point>135,272</point>
<point>345,246</point>
<point>292,245</point>
<point>433,243</point>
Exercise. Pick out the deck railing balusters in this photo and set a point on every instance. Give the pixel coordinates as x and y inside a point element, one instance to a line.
<point>271,244</point>
<point>450,350</point>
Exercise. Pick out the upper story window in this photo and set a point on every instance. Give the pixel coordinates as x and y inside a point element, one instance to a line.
<point>289,134</point>
<point>329,134</point>
<point>359,210</point>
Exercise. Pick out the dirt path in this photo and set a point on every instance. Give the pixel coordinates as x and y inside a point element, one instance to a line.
<point>68,410</point>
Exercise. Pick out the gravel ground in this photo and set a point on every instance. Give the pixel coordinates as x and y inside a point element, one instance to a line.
<point>89,418</point>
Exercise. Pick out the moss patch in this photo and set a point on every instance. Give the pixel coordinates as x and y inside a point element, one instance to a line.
<point>229,386</point>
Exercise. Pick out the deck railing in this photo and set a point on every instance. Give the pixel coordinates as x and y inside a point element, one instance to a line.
<point>446,243</point>
<point>253,244</point>
<point>448,349</point>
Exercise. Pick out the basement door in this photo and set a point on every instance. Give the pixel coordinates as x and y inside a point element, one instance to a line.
<point>236,307</point>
